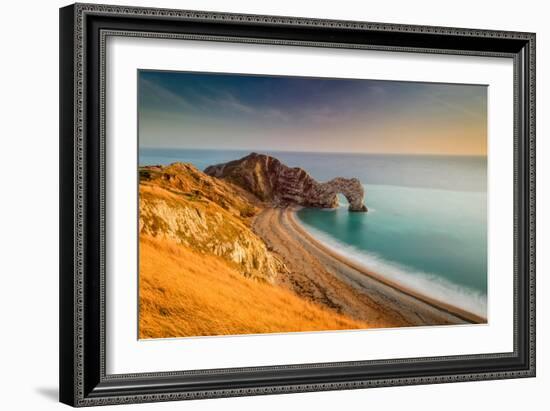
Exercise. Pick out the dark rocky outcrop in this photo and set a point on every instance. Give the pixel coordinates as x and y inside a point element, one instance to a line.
<point>272,181</point>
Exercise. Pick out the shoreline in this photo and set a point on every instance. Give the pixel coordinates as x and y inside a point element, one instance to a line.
<point>323,276</point>
<point>451,309</point>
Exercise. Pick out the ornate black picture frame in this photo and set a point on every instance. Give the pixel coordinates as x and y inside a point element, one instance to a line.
<point>83,31</point>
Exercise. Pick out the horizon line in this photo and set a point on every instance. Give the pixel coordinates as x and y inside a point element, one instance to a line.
<point>260,151</point>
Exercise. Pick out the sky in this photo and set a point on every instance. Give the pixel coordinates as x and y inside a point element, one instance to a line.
<point>250,112</point>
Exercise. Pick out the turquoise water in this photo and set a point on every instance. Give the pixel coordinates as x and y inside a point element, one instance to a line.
<point>427,220</point>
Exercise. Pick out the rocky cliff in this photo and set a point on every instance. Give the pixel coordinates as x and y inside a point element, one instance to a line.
<point>272,181</point>
<point>208,215</point>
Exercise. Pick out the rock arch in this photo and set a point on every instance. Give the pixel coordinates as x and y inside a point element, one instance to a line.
<point>270,180</point>
<point>351,188</point>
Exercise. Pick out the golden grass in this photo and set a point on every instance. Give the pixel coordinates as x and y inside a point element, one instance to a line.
<point>184,293</point>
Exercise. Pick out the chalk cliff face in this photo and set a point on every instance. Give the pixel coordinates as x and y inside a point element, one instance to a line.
<point>272,181</point>
<point>181,204</point>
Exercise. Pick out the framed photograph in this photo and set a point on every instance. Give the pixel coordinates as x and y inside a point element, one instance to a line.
<point>261,204</point>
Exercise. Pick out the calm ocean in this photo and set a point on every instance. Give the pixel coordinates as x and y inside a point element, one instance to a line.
<point>427,220</point>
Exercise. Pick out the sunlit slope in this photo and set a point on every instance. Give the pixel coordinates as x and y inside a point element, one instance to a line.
<point>187,293</point>
<point>184,205</point>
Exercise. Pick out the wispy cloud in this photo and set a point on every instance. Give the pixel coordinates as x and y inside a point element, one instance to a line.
<point>232,110</point>
<point>153,93</point>
<point>231,103</point>
<point>210,102</point>
<point>462,108</point>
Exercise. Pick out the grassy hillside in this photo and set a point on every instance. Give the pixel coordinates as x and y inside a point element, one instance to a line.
<point>187,293</point>
<point>181,204</point>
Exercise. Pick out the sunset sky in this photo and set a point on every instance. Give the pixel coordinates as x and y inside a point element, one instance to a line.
<point>223,111</point>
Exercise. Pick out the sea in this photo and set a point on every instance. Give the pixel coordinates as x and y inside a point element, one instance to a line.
<point>426,225</point>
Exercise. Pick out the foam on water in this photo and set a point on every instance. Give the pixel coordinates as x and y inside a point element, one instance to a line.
<point>427,284</point>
